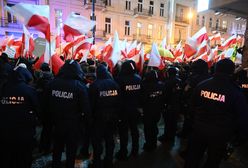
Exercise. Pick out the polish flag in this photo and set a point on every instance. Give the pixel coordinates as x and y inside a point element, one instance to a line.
<point>83,45</point>
<point>131,51</point>
<point>28,42</point>
<point>68,48</point>
<point>190,48</point>
<point>116,52</point>
<point>229,42</point>
<point>76,25</point>
<point>36,16</point>
<point>179,50</point>
<point>200,36</point>
<point>155,58</point>
<point>107,50</point>
<point>216,37</point>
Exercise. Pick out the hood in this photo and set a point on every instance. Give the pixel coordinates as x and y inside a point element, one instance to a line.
<point>21,74</point>
<point>71,70</point>
<point>199,67</point>
<point>102,72</point>
<point>151,76</point>
<point>128,68</point>
<point>225,66</point>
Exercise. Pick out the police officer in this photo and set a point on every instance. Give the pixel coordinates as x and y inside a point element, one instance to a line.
<point>173,92</point>
<point>19,107</point>
<point>153,106</point>
<point>68,104</point>
<point>130,89</point>
<point>220,112</point>
<point>104,99</point>
<point>43,78</point>
<point>243,82</point>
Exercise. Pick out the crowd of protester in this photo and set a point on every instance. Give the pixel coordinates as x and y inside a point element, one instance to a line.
<point>85,104</point>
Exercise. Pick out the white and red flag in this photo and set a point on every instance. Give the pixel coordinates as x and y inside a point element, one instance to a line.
<point>76,25</point>
<point>28,43</point>
<point>155,59</point>
<point>31,15</point>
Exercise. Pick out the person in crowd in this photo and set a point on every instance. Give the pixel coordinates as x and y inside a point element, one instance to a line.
<point>67,103</point>
<point>242,80</point>
<point>105,100</point>
<point>130,91</point>
<point>173,93</point>
<point>153,105</point>
<point>220,113</point>
<point>19,111</point>
<point>44,77</point>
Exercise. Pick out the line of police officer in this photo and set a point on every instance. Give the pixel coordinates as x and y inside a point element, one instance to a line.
<point>65,106</point>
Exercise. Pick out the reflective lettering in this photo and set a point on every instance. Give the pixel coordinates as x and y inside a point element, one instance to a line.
<point>108,93</point>
<point>62,94</point>
<point>132,87</point>
<point>213,96</point>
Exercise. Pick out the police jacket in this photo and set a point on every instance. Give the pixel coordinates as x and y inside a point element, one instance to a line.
<point>67,97</point>
<point>130,87</point>
<point>173,91</point>
<point>152,95</point>
<point>104,97</point>
<point>220,108</point>
<point>19,107</point>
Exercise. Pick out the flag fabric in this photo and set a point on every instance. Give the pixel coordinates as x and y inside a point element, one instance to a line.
<point>163,43</point>
<point>36,16</point>
<point>229,42</point>
<point>216,37</point>
<point>200,36</point>
<point>131,51</point>
<point>155,59</point>
<point>179,50</point>
<point>76,25</point>
<point>28,43</point>
<point>116,52</point>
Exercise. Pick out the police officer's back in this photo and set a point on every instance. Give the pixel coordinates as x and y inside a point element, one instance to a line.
<point>68,103</point>
<point>243,82</point>
<point>130,89</point>
<point>220,111</point>
<point>19,108</point>
<point>104,99</point>
<point>153,105</point>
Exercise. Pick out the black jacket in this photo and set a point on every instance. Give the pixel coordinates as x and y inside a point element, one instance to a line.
<point>19,107</point>
<point>67,99</point>
<point>220,108</point>
<point>104,97</point>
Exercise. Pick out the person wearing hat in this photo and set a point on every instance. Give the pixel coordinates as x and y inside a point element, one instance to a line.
<point>67,103</point>
<point>130,91</point>
<point>220,113</point>
<point>173,92</point>
<point>153,105</point>
<point>19,111</point>
<point>104,99</point>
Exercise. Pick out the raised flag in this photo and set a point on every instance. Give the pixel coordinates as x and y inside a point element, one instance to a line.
<point>76,25</point>
<point>31,15</point>
<point>200,36</point>
<point>155,59</point>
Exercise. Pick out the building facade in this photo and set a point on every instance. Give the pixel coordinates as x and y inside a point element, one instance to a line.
<point>143,20</point>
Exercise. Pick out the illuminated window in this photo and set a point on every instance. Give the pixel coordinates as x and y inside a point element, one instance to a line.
<point>224,24</point>
<point>149,30</point>
<point>58,18</point>
<point>139,26</point>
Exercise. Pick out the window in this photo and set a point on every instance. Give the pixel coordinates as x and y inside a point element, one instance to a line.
<point>151,7</point>
<point>181,13</point>
<point>128,4</point>
<point>210,22</point>
<point>58,18</point>
<point>238,26</point>
<point>140,5</point>
<point>127,28</point>
<point>198,20</point>
<point>139,26</point>
<point>11,18</point>
<point>161,10</point>
<point>107,2</point>
<point>203,21</point>
<point>108,25</point>
<point>160,32</point>
<point>217,23</point>
<point>224,24</point>
<point>149,31</point>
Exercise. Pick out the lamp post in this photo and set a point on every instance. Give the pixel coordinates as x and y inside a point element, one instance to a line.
<point>93,18</point>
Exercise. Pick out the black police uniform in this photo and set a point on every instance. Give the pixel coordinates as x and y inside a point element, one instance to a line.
<point>173,92</point>
<point>43,78</point>
<point>19,107</point>
<point>153,105</point>
<point>220,111</point>
<point>104,99</point>
<point>199,73</point>
<point>243,82</point>
<point>68,103</point>
<point>130,88</point>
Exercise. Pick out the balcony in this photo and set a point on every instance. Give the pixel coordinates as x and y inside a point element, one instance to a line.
<point>142,38</point>
<point>4,22</point>
<point>144,13</point>
<point>99,4</point>
<point>219,29</point>
<point>182,20</point>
